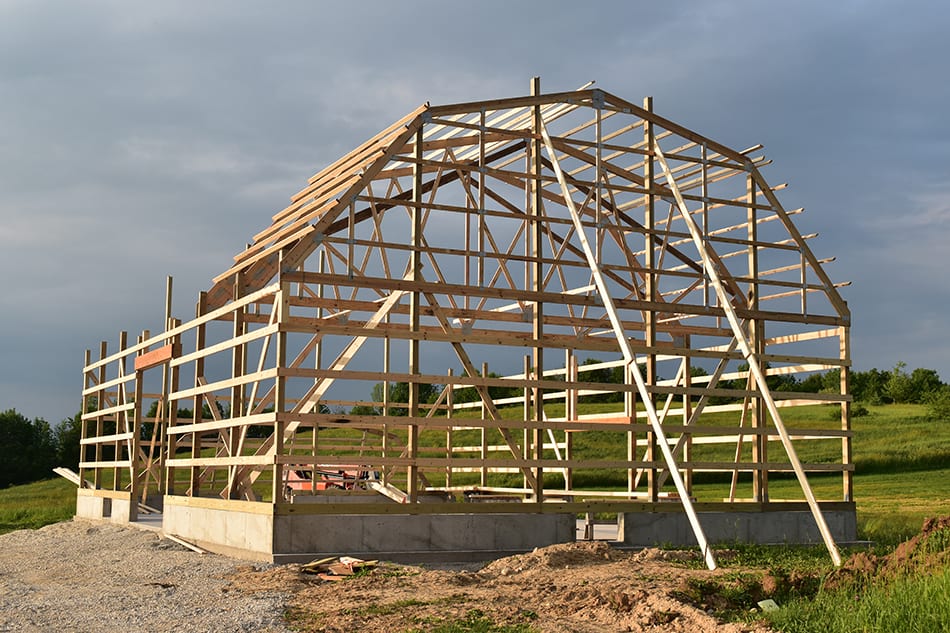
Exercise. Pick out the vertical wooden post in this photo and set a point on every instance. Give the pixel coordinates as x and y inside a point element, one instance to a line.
<point>134,425</point>
<point>318,364</point>
<point>483,453</point>
<point>537,285</point>
<point>238,369</point>
<point>482,226</point>
<point>844,338</point>
<point>100,404</point>
<point>449,406</point>
<point>122,418</point>
<point>415,265</point>
<point>760,444</point>
<point>83,423</point>
<point>527,415</point>
<point>570,414</point>
<point>705,196</point>
<point>194,481</point>
<point>630,412</point>
<point>282,305</point>
<point>650,278</point>
<point>168,443</point>
<point>598,102</point>
<point>387,368</point>
<point>159,427</point>
<point>687,414</point>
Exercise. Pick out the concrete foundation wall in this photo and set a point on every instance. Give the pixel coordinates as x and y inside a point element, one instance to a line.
<point>117,507</point>
<point>124,511</point>
<point>646,529</point>
<point>258,534</point>
<point>417,537</point>
<point>248,535</point>
<point>89,507</point>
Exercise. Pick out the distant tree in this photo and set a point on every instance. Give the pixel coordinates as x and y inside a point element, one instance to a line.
<point>868,386</point>
<point>813,383</point>
<point>66,437</point>
<point>925,382</point>
<point>831,381</point>
<point>27,449</point>
<point>899,387</point>
<point>398,395</point>
<point>470,394</point>
<point>780,382</point>
<point>607,375</point>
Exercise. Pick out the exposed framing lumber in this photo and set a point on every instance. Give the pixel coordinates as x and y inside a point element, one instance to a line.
<point>457,253</point>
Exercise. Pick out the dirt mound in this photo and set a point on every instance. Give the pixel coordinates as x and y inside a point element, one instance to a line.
<point>562,556</point>
<point>924,553</point>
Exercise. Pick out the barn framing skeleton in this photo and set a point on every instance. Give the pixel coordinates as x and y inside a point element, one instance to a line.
<point>490,249</point>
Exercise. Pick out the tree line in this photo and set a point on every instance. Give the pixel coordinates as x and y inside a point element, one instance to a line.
<point>30,449</point>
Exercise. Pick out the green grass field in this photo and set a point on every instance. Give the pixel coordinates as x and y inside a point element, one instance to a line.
<point>37,504</point>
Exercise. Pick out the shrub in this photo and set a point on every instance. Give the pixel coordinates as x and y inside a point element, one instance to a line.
<point>938,402</point>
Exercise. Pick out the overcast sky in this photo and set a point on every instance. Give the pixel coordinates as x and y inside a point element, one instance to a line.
<point>139,140</point>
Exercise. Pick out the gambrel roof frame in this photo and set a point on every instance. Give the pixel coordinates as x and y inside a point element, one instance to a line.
<point>525,232</point>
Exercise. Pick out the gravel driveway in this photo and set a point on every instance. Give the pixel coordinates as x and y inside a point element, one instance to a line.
<point>87,577</point>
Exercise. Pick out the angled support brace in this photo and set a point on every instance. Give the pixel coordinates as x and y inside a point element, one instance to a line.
<point>482,390</point>
<point>308,403</point>
<point>694,417</point>
<point>750,356</point>
<point>628,354</point>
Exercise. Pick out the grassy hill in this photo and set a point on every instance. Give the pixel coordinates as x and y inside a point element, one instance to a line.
<point>34,505</point>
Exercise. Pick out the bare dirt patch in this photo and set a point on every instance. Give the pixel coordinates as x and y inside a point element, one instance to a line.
<point>578,587</point>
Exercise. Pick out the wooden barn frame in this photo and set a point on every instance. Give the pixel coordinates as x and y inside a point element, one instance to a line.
<point>497,264</point>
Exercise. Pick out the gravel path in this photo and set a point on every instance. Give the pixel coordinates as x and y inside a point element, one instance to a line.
<point>89,577</point>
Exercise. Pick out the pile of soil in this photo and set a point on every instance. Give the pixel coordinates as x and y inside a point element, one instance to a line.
<point>924,553</point>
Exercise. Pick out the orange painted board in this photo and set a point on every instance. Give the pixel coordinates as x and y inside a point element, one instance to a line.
<point>156,357</point>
